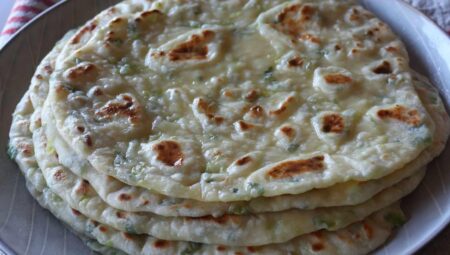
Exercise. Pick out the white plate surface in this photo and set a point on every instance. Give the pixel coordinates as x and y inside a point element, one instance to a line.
<point>26,228</point>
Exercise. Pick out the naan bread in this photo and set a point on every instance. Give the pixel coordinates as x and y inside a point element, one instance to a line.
<point>225,108</point>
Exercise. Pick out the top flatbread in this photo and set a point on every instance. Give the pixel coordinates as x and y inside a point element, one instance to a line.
<point>113,191</point>
<point>279,98</point>
<point>138,199</point>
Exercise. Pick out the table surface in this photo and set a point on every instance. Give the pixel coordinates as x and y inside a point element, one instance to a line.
<point>438,246</point>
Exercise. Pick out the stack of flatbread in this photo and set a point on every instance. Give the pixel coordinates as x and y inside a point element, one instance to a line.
<point>228,127</point>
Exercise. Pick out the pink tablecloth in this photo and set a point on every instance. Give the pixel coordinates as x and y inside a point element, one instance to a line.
<point>438,10</point>
<point>21,13</point>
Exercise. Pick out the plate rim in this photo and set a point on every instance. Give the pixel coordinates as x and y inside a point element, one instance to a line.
<point>419,13</point>
<point>434,232</point>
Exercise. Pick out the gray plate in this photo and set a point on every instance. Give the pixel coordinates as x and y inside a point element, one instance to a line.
<point>25,228</point>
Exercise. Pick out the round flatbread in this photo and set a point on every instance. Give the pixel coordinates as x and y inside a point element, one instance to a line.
<point>278,99</point>
<point>138,199</point>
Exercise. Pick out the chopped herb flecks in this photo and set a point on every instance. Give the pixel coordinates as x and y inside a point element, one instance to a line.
<point>268,75</point>
<point>324,223</point>
<point>396,219</point>
<point>129,228</point>
<point>239,210</point>
<point>293,147</point>
<point>119,159</point>
<point>11,151</point>
<point>133,31</point>
<point>116,42</point>
<point>78,61</point>
<point>191,248</point>
<point>256,187</point>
